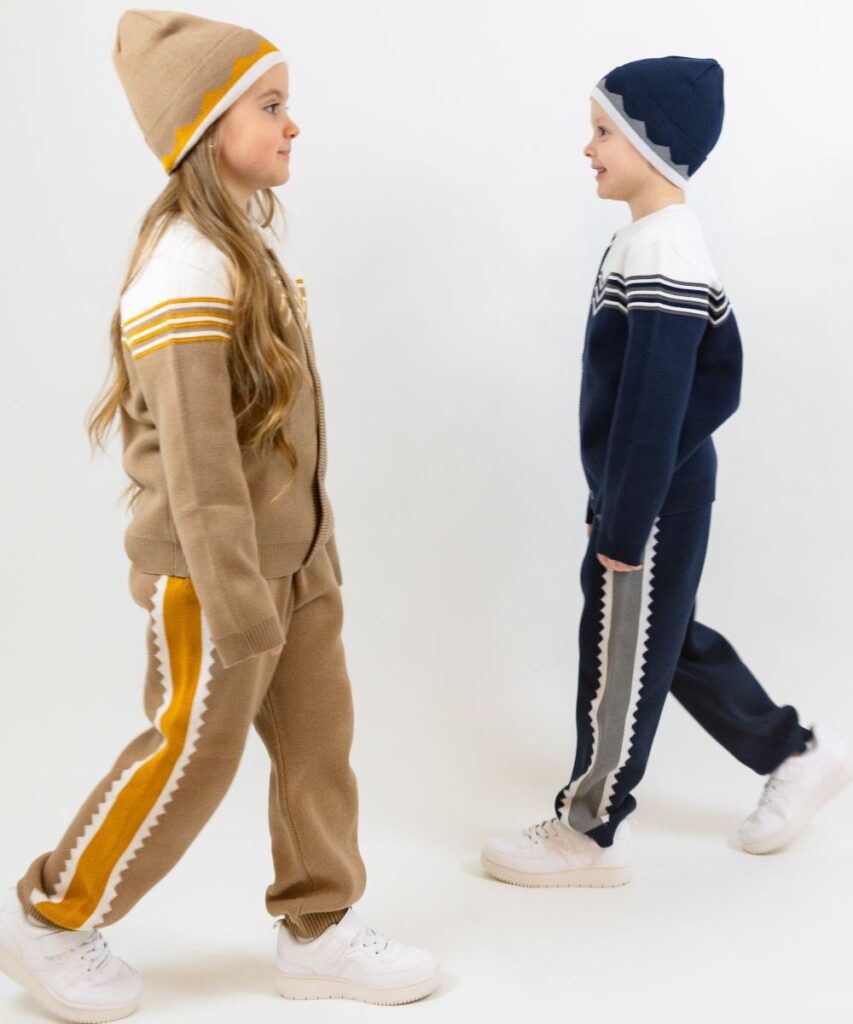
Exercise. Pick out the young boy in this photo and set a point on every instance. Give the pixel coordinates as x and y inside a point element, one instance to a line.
<point>661,371</point>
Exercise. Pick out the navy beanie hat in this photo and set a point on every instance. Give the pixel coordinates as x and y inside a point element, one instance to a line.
<point>670,108</point>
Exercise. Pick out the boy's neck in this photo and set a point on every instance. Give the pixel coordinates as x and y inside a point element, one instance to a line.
<point>650,200</point>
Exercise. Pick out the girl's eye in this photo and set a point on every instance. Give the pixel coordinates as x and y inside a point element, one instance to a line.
<point>267,107</point>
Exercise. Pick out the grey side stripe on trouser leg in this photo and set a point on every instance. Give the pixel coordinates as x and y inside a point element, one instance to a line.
<point>624,634</point>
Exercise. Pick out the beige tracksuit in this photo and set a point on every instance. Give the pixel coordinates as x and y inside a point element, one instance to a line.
<point>225,576</point>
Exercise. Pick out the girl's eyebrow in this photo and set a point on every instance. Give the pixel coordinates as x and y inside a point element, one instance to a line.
<point>271,92</point>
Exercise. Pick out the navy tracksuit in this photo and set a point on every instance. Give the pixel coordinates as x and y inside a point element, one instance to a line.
<point>661,370</point>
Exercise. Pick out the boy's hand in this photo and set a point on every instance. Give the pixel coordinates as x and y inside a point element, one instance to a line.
<point>611,563</point>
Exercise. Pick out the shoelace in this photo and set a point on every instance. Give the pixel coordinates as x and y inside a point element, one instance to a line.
<point>768,792</point>
<point>790,769</point>
<point>89,945</point>
<point>543,830</point>
<point>370,937</point>
<point>547,829</point>
<point>366,938</point>
<point>95,950</point>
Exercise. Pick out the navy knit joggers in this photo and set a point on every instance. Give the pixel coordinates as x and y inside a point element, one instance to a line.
<point>639,640</point>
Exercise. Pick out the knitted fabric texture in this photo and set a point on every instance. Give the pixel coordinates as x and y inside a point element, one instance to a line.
<point>670,109</point>
<point>181,72</point>
<point>661,370</point>
<point>205,510</point>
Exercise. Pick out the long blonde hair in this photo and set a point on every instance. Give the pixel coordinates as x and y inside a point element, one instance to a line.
<point>265,373</point>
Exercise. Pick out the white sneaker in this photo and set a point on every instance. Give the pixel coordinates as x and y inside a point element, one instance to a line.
<point>552,854</point>
<point>351,961</point>
<point>72,973</point>
<point>796,790</point>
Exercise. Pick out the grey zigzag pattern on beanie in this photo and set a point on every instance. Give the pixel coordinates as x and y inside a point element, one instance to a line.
<point>639,127</point>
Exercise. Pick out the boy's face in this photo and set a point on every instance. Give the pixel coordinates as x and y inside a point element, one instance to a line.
<point>622,171</point>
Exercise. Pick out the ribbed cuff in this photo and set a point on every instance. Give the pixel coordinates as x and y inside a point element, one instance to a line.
<point>616,545</point>
<point>311,926</point>
<point>35,916</point>
<point>620,553</point>
<point>263,636</point>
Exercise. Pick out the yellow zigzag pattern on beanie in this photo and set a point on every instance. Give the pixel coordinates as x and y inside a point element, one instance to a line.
<point>184,133</point>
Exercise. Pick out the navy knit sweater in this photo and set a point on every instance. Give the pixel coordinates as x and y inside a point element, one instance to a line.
<point>661,371</point>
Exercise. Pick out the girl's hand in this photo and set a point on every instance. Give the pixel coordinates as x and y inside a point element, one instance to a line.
<point>611,563</point>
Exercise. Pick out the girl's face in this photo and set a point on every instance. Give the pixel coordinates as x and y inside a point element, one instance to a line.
<point>255,137</point>
<point>621,170</point>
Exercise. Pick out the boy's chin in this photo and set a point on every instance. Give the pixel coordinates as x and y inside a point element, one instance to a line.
<point>607,190</point>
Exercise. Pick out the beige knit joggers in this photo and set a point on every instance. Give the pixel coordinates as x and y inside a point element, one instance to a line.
<point>142,816</point>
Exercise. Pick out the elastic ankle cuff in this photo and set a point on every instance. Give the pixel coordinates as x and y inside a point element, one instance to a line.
<point>311,926</point>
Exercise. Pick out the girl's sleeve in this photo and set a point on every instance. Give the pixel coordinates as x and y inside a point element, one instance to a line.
<point>176,326</point>
<point>668,309</point>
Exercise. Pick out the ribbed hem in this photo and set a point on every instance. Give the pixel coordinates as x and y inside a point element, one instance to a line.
<point>39,919</point>
<point>282,559</point>
<point>255,640</point>
<point>150,554</point>
<point>34,916</point>
<point>312,926</point>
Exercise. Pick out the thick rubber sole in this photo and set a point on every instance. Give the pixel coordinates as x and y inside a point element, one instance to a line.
<point>584,878</point>
<point>310,987</point>
<point>830,788</point>
<point>12,967</point>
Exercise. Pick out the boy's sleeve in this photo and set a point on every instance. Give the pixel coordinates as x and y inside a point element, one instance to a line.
<point>176,327</point>
<point>668,309</point>
<point>589,505</point>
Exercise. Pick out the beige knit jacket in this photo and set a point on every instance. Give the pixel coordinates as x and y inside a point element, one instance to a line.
<point>205,511</point>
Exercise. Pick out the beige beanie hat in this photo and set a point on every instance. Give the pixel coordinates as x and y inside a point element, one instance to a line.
<point>180,72</point>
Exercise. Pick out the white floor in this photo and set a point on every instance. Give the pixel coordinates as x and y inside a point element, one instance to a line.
<point>705,932</point>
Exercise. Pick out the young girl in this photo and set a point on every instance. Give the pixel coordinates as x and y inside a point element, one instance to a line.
<point>232,554</point>
<point>661,371</point>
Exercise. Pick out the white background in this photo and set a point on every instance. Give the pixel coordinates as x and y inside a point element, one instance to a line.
<point>448,228</point>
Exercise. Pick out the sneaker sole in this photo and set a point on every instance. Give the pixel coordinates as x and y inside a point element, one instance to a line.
<point>586,878</point>
<point>310,987</point>
<point>12,967</point>
<point>831,787</point>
